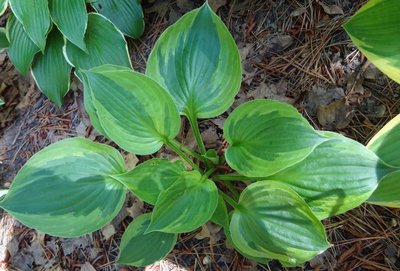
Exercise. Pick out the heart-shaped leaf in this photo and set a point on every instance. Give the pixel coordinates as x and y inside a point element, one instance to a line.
<point>66,189</point>
<point>197,61</point>
<point>71,19</point>
<point>105,44</point>
<point>272,221</point>
<point>388,191</point>
<point>337,176</point>
<point>152,177</point>
<point>35,17</point>
<point>140,249</point>
<point>3,39</point>
<point>374,29</point>
<point>51,71</point>
<point>266,136</point>
<point>186,205</point>
<point>127,15</point>
<point>133,110</point>
<point>220,215</point>
<point>386,143</point>
<point>21,49</point>
<point>3,6</point>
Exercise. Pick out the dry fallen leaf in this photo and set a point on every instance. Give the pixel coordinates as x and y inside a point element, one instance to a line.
<point>108,231</point>
<point>336,115</point>
<point>331,9</point>
<point>131,160</point>
<point>216,4</point>
<point>87,267</point>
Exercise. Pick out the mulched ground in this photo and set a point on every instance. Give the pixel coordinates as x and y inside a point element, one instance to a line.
<point>293,51</point>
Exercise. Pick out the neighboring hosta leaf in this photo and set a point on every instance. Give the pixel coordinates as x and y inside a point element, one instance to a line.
<point>3,6</point>
<point>51,71</point>
<point>388,191</point>
<point>3,39</point>
<point>140,249</point>
<point>197,61</point>
<point>71,19</point>
<point>132,109</point>
<point>66,189</point>
<point>21,49</point>
<point>105,44</point>
<point>272,221</point>
<point>220,215</point>
<point>35,17</point>
<point>375,31</point>
<point>266,136</point>
<point>150,178</point>
<point>127,15</point>
<point>337,176</point>
<point>386,143</point>
<point>186,205</point>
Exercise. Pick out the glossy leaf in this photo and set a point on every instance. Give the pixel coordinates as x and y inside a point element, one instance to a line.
<point>388,191</point>
<point>266,136</point>
<point>66,189</point>
<point>386,143</point>
<point>220,215</point>
<point>127,15</point>
<point>35,17</point>
<point>186,205</point>
<point>272,221</point>
<point>197,61</point>
<point>140,249</point>
<point>3,6</point>
<point>71,19</point>
<point>374,30</point>
<point>132,109</point>
<point>105,44</point>
<point>152,177</point>
<point>22,49</point>
<point>3,39</point>
<point>51,71</point>
<point>337,176</point>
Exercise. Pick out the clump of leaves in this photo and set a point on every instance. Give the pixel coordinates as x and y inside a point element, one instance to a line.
<point>54,36</point>
<point>296,175</point>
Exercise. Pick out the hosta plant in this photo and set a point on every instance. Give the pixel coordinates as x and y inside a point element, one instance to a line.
<point>53,36</point>
<point>295,176</point>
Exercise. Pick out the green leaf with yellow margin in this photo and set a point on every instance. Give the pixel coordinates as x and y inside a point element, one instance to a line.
<point>274,222</point>
<point>388,191</point>
<point>375,31</point>
<point>197,61</point>
<point>3,6</point>
<point>66,189</point>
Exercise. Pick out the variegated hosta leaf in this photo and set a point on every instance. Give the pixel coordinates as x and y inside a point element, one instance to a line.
<point>71,19</point>
<point>386,143</point>
<point>197,61</point>
<point>220,215</point>
<point>130,108</point>
<point>272,221</point>
<point>266,136</point>
<point>3,6</point>
<point>140,249</point>
<point>337,176</point>
<point>185,205</point>
<point>150,178</point>
<point>51,71</point>
<point>67,189</point>
<point>388,191</point>
<point>375,30</point>
<point>105,44</point>
<point>21,49</point>
<point>35,17</point>
<point>127,15</point>
<point>3,39</point>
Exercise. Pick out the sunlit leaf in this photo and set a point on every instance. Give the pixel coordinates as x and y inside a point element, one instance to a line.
<point>272,221</point>
<point>375,31</point>
<point>66,189</point>
<point>105,44</point>
<point>127,15</point>
<point>71,19</point>
<point>35,18</point>
<point>21,49</point>
<point>266,136</point>
<point>197,61</point>
<point>186,205</point>
<point>130,108</point>
<point>150,178</point>
<point>140,249</point>
<point>51,71</point>
<point>388,191</point>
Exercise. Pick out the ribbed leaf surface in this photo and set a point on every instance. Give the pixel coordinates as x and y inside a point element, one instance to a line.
<point>3,39</point>
<point>388,191</point>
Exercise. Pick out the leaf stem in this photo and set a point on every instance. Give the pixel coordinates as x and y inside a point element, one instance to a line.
<point>233,190</point>
<point>182,154</point>
<point>197,135</point>
<point>237,178</point>
<point>229,200</point>
<point>189,151</point>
